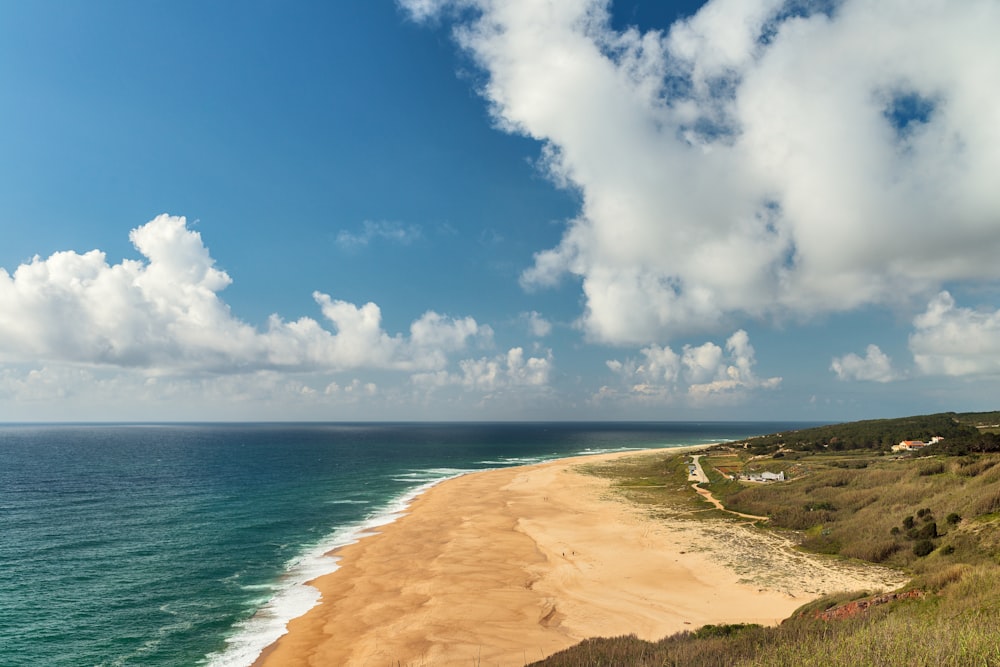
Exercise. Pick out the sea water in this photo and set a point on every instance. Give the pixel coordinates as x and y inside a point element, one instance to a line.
<point>191,544</point>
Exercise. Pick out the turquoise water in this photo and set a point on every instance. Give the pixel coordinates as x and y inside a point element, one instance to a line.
<point>190,544</point>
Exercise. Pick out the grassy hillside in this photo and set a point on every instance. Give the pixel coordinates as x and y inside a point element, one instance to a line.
<point>935,516</point>
<point>962,433</point>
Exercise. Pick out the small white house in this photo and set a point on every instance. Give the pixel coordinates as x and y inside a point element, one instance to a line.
<point>914,445</point>
<point>909,446</point>
<point>764,477</point>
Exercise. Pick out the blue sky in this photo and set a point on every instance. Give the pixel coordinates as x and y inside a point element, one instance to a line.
<point>455,209</point>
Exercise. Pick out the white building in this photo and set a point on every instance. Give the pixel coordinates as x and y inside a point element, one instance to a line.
<point>914,445</point>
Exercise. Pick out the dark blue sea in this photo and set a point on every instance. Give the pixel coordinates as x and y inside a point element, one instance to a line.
<point>191,544</point>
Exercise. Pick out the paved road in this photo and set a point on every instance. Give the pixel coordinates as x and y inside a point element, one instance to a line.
<point>698,475</point>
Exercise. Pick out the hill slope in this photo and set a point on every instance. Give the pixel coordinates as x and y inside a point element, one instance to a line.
<point>936,517</point>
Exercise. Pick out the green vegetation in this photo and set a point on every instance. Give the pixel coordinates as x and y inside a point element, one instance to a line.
<point>935,515</point>
<point>660,485</point>
<point>963,433</point>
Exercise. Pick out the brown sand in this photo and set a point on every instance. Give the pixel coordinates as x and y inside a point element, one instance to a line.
<point>505,567</point>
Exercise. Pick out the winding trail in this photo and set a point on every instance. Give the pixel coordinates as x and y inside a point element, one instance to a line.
<point>698,477</point>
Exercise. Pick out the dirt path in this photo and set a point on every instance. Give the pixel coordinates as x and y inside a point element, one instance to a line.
<point>699,477</point>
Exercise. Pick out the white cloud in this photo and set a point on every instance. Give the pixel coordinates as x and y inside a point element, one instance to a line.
<point>703,373</point>
<point>875,366</point>
<point>490,374</point>
<point>538,326</point>
<point>165,315</point>
<point>752,161</point>
<point>950,340</point>
<point>355,388</point>
<point>371,230</point>
<point>75,392</point>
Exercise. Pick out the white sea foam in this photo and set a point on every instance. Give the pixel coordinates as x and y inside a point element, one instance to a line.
<point>294,596</point>
<point>428,474</point>
<point>529,460</point>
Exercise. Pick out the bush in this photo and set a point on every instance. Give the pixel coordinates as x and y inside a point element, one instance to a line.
<point>873,551</point>
<point>926,532</point>
<point>722,630</point>
<point>987,504</point>
<point>822,543</point>
<point>908,522</point>
<point>972,467</point>
<point>938,579</point>
<point>922,548</point>
<point>953,519</point>
<point>931,469</point>
<point>822,505</point>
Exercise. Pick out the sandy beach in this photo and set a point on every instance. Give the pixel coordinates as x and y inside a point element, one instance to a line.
<point>504,567</point>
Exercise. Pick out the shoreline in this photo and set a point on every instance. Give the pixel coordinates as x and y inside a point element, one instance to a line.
<point>507,566</point>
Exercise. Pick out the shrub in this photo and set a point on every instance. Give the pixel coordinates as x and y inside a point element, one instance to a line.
<point>922,548</point>
<point>722,630</point>
<point>973,467</point>
<point>931,469</point>
<point>822,543</point>
<point>991,475</point>
<point>938,579</point>
<point>953,519</point>
<point>987,504</point>
<point>822,505</point>
<point>872,551</point>
<point>800,519</point>
<point>908,522</point>
<point>925,532</point>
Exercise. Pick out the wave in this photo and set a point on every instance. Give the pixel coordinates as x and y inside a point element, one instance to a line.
<point>424,475</point>
<point>507,461</point>
<point>293,595</point>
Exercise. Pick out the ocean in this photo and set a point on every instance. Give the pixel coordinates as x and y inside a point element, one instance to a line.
<point>190,544</point>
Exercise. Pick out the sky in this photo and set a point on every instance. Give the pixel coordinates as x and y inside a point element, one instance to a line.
<point>498,210</point>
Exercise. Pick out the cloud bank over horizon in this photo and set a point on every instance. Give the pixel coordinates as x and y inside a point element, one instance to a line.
<point>758,159</point>
<point>156,330</point>
<point>165,314</point>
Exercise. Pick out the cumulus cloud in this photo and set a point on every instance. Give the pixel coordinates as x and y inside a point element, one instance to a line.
<point>538,326</point>
<point>703,373</point>
<point>165,314</point>
<point>355,388</point>
<point>371,230</point>
<point>951,340</point>
<point>875,366</point>
<point>490,374</point>
<point>755,159</point>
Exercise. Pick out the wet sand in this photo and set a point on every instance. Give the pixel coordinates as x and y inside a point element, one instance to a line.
<point>504,567</point>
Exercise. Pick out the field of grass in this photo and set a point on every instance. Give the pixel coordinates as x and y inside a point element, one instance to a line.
<point>936,518</point>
